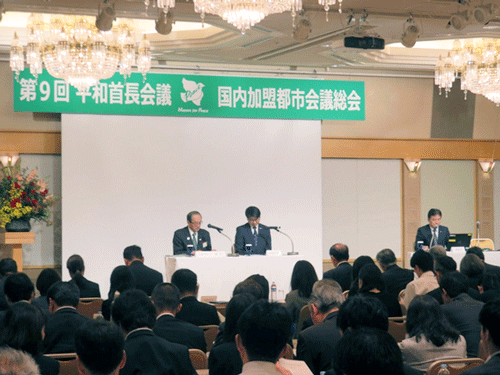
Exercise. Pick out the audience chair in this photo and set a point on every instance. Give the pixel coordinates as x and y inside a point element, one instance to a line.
<point>198,359</point>
<point>455,366</point>
<point>89,306</point>
<point>208,299</point>
<point>67,363</point>
<point>483,243</point>
<point>305,313</point>
<point>397,327</point>
<point>210,332</point>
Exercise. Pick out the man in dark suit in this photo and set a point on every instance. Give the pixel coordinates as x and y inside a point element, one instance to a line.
<point>193,311</point>
<point>145,278</point>
<point>395,278</point>
<point>490,340</point>
<point>191,238</point>
<point>461,310</point>
<point>252,237</point>
<point>147,353</point>
<point>316,344</point>
<point>490,268</point>
<point>63,320</point>
<point>342,273</point>
<point>8,266</point>
<point>166,298</point>
<point>433,233</point>
<point>76,269</point>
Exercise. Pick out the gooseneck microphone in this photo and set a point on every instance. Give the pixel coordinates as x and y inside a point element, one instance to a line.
<point>214,227</point>
<point>277,229</point>
<point>233,253</point>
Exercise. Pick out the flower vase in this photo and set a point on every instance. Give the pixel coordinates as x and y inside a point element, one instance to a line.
<point>18,225</point>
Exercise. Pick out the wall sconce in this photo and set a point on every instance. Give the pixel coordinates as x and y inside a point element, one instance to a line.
<point>413,165</point>
<point>486,165</point>
<point>9,159</point>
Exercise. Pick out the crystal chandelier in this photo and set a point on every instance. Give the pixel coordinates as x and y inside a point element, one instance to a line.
<point>477,63</point>
<point>73,49</point>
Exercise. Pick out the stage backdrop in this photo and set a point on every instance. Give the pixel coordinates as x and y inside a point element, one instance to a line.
<point>132,180</point>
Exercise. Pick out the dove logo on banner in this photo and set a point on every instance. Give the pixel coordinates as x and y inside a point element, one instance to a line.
<point>193,92</point>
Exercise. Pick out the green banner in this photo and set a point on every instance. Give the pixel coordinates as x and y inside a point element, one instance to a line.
<point>196,96</point>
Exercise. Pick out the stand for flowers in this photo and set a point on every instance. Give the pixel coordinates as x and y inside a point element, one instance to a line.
<point>11,244</point>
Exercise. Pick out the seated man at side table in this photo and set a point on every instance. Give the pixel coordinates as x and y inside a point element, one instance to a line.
<point>191,238</point>
<point>252,237</point>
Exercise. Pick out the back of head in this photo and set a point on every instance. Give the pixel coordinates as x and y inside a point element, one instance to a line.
<point>477,251</point>
<point>362,311</point>
<point>326,295</point>
<point>46,279</point>
<point>359,263</point>
<point>133,309</point>
<point>7,266</point>
<point>433,212</point>
<point>472,266</point>
<point>490,281</point>
<point>423,260</point>
<point>249,286</point>
<point>252,211</point>
<point>186,280</point>
<point>371,278</point>
<point>437,251</point>
<point>262,281</point>
<point>132,252</point>
<point>264,329</point>
<point>75,264</point>
<point>445,264</point>
<point>489,318</point>
<point>166,297</point>
<point>340,252</point>
<point>368,351</point>
<point>121,280</point>
<point>386,257</point>
<point>64,293</point>
<point>454,283</point>
<point>16,362</point>
<point>18,287</point>
<point>234,309</point>
<point>303,278</point>
<point>99,346</point>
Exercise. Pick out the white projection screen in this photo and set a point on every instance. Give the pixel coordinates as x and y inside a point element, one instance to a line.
<point>132,180</point>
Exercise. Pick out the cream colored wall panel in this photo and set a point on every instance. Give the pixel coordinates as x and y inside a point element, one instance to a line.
<point>486,119</point>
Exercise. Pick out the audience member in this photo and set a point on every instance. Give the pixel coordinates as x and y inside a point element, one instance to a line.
<point>461,310</point>
<point>371,284</point>
<point>303,278</point>
<point>423,265</point>
<point>264,284</point>
<point>487,267</point>
<point>360,261</point>
<point>145,278</point>
<point>192,310</point>
<point>166,298</point>
<point>17,362</point>
<point>437,251</point>
<point>100,348</point>
<point>490,340</point>
<point>23,331</point>
<point>8,266</point>
<point>489,287</point>
<point>76,268</point>
<point>443,265</point>
<point>18,287</point>
<point>146,353</point>
<point>430,335</point>
<point>63,320</point>
<point>249,286</point>
<point>342,273</point>
<point>395,278</point>
<point>472,267</point>
<point>224,358</point>
<point>45,280</point>
<point>316,344</point>
<point>121,279</point>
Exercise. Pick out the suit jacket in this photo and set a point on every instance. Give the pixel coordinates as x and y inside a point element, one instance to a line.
<point>182,238</point>
<point>180,332</point>
<point>197,313</point>
<point>47,365</point>
<point>245,236</point>
<point>418,287</point>
<point>463,314</point>
<point>492,367</point>
<point>396,278</point>
<point>148,354</point>
<point>424,234</point>
<point>145,278</point>
<point>341,274</point>
<point>88,289</point>
<point>316,345</point>
<point>224,359</point>
<point>60,330</point>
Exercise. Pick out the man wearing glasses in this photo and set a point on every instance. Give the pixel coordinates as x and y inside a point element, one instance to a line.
<point>192,238</point>
<point>253,237</point>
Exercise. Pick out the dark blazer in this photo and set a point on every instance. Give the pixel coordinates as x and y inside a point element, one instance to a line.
<point>424,234</point>
<point>145,278</point>
<point>341,274</point>
<point>88,289</point>
<point>492,367</point>
<point>3,299</point>
<point>492,269</point>
<point>437,294</point>
<point>182,238</point>
<point>197,313</point>
<point>225,359</point>
<point>463,314</point>
<point>148,354</point>
<point>47,365</point>
<point>395,279</point>
<point>60,330</point>
<point>180,332</point>
<point>245,236</point>
<point>316,345</point>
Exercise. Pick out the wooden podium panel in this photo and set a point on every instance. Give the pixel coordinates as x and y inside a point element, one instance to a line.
<point>11,245</point>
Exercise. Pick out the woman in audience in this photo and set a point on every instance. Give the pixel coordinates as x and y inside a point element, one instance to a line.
<point>45,280</point>
<point>121,280</point>
<point>224,359</point>
<point>303,278</point>
<point>371,284</point>
<point>489,286</point>
<point>361,261</point>
<point>430,335</point>
<point>23,330</point>
<point>472,267</point>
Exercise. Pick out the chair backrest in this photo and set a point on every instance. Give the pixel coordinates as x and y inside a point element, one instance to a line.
<point>67,363</point>
<point>89,306</point>
<point>397,328</point>
<point>454,366</point>
<point>198,359</point>
<point>210,332</point>
<point>303,315</point>
<point>208,299</point>
<point>483,243</point>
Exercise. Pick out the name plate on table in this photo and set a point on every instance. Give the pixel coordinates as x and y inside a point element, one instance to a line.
<point>273,253</point>
<point>210,254</point>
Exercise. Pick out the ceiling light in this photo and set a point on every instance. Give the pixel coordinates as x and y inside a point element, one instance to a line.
<point>485,13</point>
<point>327,3</point>
<point>411,33</point>
<point>486,165</point>
<point>460,20</point>
<point>164,22</point>
<point>105,16</point>
<point>302,29</point>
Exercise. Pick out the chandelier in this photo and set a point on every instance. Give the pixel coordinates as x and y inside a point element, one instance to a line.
<point>477,63</point>
<point>73,49</point>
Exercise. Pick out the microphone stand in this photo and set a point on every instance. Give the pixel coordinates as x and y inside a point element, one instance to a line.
<point>293,252</point>
<point>233,253</point>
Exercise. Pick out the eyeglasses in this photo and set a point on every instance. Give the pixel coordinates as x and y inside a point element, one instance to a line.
<point>197,222</point>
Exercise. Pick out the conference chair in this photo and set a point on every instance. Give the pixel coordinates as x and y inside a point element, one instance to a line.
<point>483,243</point>
<point>210,332</point>
<point>397,327</point>
<point>89,306</point>
<point>67,363</point>
<point>208,299</point>
<point>305,313</point>
<point>198,359</point>
<point>454,366</point>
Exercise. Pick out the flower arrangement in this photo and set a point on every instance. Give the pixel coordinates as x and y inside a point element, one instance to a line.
<point>23,196</point>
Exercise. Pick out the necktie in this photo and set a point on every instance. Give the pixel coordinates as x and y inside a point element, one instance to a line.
<point>255,235</point>
<point>195,241</point>
<point>435,241</point>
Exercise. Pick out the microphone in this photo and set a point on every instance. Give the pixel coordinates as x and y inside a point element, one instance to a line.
<point>477,226</point>
<point>214,227</point>
<point>277,229</point>
<point>233,252</point>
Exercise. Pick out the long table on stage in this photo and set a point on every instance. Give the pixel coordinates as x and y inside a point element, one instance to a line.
<point>218,276</point>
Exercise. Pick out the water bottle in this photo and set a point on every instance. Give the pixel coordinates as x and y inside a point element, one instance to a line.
<point>274,292</point>
<point>444,370</point>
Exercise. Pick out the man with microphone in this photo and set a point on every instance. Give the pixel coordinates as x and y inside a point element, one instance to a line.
<point>432,234</point>
<point>192,238</point>
<point>253,237</point>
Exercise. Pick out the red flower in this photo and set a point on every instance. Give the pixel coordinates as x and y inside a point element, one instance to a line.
<point>23,194</point>
<point>32,184</point>
<point>35,201</point>
<point>44,193</point>
<point>14,202</point>
<point>32,191</point>
<point>28,199</point>
<point>17,185</point>
<point>9,178</point>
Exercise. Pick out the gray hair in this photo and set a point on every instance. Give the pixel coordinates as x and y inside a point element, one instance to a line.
<point>17,362</point>
<point>386,257</point>
<point>437,251</point>
<point>326,295</point>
